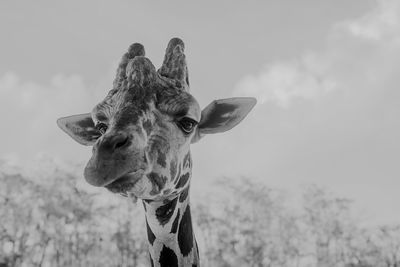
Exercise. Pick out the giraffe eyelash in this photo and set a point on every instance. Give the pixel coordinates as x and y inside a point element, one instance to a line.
<point>101,127</point>
<point>187,125</point>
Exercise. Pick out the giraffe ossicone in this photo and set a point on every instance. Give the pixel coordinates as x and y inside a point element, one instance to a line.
<point>141,134</point>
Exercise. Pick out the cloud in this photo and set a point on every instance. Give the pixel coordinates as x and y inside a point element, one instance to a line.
<point>26,96</point>
<point>381,23</point>
<point>356,51</point>
<point>30,110</point>
<point>283,82</point>
<point>331,116</point>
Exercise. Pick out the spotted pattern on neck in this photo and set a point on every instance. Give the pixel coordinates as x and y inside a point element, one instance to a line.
<point>170,232</point>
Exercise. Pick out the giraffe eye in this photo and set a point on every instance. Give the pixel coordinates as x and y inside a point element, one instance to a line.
<point>187,125</point>
<point>101,127</point>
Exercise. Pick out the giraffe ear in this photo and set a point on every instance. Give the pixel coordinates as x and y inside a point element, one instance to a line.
<point>80,127</point>
<point>224,114</point>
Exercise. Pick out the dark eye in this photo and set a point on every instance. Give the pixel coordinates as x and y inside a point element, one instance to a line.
<point>187,125</point>
<point>101,127</point>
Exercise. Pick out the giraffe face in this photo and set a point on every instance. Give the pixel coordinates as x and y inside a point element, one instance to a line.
<point>144,144</point>
<point>141,132</point>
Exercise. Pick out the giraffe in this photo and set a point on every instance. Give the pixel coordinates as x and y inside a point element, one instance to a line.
<point>141,135</point>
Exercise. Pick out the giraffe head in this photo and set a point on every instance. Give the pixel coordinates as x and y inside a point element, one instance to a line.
<point>141,132</point>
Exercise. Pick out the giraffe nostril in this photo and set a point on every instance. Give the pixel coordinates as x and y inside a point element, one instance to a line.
<point>112,142</point>
<point>122,141</point>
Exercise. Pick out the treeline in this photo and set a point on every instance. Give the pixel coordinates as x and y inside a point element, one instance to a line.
<point>257,226</point>
<point>49,222</point>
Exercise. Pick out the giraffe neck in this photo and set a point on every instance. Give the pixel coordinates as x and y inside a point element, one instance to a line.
<point>170,233</point>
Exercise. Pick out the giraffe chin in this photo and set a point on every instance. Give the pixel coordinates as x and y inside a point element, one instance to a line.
<point>124,184</point>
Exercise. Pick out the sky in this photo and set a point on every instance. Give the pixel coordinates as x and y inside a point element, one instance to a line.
<point>324,73</point>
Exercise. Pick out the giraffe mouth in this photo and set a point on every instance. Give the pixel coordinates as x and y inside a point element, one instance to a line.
<point>125,183</point>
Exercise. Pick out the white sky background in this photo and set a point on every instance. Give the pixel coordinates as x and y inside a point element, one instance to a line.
<point>325,74</point>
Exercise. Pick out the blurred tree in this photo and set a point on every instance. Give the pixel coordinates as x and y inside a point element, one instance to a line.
<point>51,223</point>
<point>46,221</point>
<point>252,230</point>
<point>387,239</point>
<point>329,224</point>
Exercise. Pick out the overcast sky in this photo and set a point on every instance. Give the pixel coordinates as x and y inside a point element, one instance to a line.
<point>325,74</point>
